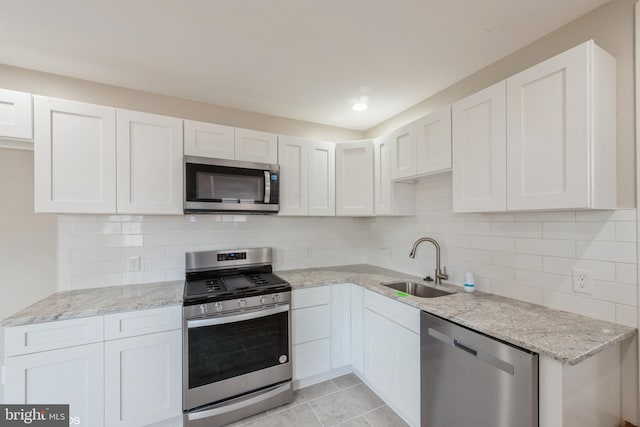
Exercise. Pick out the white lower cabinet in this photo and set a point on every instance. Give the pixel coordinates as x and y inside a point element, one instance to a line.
<point>143,379</point>
<point>392,354</point>
<point>72,376</point>
<point>311,358</point>
<point>133,380</point>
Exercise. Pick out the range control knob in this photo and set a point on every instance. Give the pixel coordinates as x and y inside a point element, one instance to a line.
<point>276,297</point>
<point>218,307</point>
<point>263,300</point>
<point>203,308</point>
<point>242,303</point>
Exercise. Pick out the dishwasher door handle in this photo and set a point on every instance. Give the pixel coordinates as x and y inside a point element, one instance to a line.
<point>465,348</point>
<point>480,355</point>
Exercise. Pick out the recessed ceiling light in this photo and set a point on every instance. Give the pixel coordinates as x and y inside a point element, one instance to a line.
<point>360,106</point>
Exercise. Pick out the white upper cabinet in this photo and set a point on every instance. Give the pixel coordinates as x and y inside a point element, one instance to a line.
<point>561,132</point>
<point>433,146</point>
<point>479,151</point>
<point>16,115</point>
<point>150,179</point>
<point>293,154</point>
<point>74,157</point>
<point>322,178</point>
<point>403,152</point>
<point>390,198</point>
<point>354,178</point>
<point>254,146</point>
<point>307,177</point>
<point>208,140</point>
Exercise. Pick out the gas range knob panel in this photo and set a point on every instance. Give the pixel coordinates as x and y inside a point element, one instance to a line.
<point>242,303</point>
<point>263,300</point>
<point>218,307</point>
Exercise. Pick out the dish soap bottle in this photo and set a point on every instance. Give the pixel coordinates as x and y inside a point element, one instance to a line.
<point>469,282</point>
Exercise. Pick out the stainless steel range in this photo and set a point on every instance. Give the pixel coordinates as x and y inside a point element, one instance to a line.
<point>236,337</point>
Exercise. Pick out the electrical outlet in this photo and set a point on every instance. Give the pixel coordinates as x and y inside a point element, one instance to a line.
<point>133,264</point>
<point>582,281</point>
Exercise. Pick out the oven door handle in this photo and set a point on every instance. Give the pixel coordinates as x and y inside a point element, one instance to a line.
<point>221,320</point>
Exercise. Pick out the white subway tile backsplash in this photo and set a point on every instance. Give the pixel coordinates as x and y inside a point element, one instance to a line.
<point>580,230</point>
<point>602,310</point>
<point>627,273</point>
<point>528,256</point>
<point>568,216</point>
<point>517,229</point>
<point>613,215</point>
<point>607,251</point>
<point>627,315</point>
<point>626,231</point>
<point>562,248</point>
<point>600,270</point>
<point>614,292</point>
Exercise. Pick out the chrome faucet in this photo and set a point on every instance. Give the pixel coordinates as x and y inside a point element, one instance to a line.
<point>440,275</point>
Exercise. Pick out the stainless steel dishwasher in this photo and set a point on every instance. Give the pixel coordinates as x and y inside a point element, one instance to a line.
<point>470,379</point>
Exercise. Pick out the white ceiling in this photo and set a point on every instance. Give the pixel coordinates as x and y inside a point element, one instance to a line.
<point>303,59</point>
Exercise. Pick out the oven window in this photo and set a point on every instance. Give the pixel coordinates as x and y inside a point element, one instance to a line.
<point>224,351</point>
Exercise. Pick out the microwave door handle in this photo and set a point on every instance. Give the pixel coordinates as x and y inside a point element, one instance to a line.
<point>267,187</point>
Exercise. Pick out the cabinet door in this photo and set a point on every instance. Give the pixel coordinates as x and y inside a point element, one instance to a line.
<point>479,151</point>
<point>377,352</point>
<point>254,146</point>
<point>312,358</point>
<point>548,133</point>
<point>382,176</point>
<point>150,179</point>
<point>73,376</point>
<point>208,140</point>
<point>340,325</point>
<point>143,379</point>
<point>433,146</point>
<point>16,114</point>
<point>354,178</point>
<point>357,328</point>
<point>293,154</point>
<point>403,152</point>
<point>74,157</point>
<point>390,198</point>
<point>322,179</point>
<point>405,378</point>
<point>310,324</point>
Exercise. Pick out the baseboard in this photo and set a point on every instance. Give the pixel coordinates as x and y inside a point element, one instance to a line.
<point>325,376</point>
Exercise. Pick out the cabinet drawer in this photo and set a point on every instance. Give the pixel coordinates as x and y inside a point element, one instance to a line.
<point>310,297</point>
<point>45,336</point>
<point>311,358</point>
<point>311,323</point>
<point>400,313</point>
<point>142,322</point>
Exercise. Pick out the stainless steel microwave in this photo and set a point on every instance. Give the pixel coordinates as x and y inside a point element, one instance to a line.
<point>230,186</point>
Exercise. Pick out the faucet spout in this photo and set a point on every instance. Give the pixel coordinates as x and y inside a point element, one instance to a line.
<point>439,274</point>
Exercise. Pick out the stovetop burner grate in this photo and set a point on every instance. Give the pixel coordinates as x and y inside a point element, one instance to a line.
<point>213,286</point>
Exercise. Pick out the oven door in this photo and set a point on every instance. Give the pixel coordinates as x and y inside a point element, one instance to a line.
<point>228,355</point>
<point>229,185</point>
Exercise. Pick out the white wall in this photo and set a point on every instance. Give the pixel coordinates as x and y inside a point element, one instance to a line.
<point>27,240</point>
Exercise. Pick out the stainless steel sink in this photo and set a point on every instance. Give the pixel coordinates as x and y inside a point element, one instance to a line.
<point>418,290</point>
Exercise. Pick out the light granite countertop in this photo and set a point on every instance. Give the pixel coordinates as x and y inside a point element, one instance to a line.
<point>566,337</point>
<point>94,302</point>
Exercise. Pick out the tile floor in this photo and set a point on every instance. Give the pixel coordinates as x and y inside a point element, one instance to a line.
<point>344,401</point>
